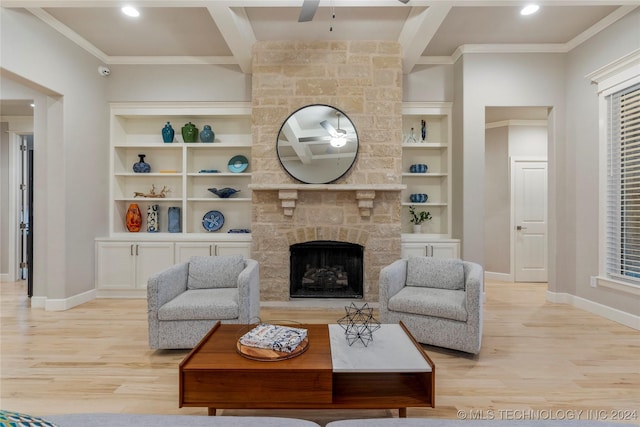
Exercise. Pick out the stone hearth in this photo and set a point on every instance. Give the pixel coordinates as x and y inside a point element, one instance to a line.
<point>363,79</point>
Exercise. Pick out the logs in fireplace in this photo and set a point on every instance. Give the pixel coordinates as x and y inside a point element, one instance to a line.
<point>326,269</point>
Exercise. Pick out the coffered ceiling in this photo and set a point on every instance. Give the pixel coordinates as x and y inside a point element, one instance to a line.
<point>223,31</point>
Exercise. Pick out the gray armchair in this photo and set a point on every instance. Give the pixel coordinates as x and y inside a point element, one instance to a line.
<point>438,300</point>
<point>186,300</point>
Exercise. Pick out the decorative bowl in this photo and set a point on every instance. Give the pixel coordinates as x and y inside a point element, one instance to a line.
<point>238,164</point>
<point>418,197</point>
<point>418,168</point>
<point>223,193</point>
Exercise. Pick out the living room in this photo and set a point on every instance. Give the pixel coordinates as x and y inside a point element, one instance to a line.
<point>71,125</point>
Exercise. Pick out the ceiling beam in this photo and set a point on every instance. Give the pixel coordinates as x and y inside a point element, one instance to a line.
<point>235,27</point>
<point>417,32</point>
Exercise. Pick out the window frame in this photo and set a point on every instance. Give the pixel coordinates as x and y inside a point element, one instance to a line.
<point>619,75</point>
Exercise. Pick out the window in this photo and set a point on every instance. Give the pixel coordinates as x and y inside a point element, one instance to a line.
<point>623,184</point>
<point>619,195</point>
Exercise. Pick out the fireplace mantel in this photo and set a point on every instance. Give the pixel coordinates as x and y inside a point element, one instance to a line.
<point>365,194</point>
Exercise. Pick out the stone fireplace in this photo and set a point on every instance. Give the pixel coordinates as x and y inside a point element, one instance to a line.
<point>363,79</point>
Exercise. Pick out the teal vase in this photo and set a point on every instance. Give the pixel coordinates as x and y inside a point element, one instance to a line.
<point>168,133</point>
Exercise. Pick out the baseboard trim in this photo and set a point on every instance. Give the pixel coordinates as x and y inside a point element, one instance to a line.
<point>62,304</point>
<point>498,277</point>
<point>613,314</point>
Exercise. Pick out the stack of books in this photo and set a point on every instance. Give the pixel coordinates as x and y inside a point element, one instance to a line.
<point>274,337</point>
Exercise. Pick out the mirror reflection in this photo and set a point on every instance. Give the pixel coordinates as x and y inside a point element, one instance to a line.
<point>317,144</point>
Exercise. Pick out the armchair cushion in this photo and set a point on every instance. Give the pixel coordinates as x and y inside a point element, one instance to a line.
<point>202,304</point>
<point>435,273</point>
<point>434,302</point>
<point>208,272</point>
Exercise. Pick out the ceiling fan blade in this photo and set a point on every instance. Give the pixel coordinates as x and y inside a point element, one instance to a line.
<point>308,10</point>
<point>329,127</point>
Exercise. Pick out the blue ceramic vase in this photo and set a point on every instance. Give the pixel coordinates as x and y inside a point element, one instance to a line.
<point>175,225</point>
<point>207,135</point>
<point>141,166</point>
<point>168,133</point>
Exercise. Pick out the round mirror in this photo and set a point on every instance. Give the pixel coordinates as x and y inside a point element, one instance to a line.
<point>317,144</point>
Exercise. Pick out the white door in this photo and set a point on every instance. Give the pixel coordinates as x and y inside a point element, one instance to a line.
<point>530,218</point>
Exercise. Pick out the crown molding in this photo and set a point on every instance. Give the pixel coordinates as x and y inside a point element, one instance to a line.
<point>170,60</point>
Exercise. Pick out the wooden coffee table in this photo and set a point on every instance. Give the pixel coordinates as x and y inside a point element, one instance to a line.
<point>393,371</point>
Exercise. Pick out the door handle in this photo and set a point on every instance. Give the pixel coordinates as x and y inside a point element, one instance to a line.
<point>519,227</point>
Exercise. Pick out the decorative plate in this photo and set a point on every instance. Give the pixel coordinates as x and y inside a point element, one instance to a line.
<point>213,221</point>
<point>238,164</point>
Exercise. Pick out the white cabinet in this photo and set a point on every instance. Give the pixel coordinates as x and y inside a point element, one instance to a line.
<point>435,153</point>
<point>185,250</point>
<point>127,265</point>
<point>446,248</point>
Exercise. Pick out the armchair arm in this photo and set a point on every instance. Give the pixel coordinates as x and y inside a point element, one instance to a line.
<point>162,288</point>
<point>474,286</point>
<point>249,292</point>
<point>166,285</point>
<point>392,280</point>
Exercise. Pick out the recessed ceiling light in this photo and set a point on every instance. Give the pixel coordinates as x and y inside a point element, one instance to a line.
<point>130,11</point>
<point>529,9</point>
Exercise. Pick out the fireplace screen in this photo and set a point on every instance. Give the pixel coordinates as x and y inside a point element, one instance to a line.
<point>326,269</point>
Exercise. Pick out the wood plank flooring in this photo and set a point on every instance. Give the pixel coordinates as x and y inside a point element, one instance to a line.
<point>538,360</point>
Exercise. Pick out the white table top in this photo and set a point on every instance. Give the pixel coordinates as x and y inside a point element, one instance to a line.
<point>391,350</point>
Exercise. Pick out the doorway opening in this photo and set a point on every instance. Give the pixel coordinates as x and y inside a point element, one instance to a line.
<point>516,188</point>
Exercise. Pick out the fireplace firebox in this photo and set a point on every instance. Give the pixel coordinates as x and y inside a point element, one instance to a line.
<point>326,269</point>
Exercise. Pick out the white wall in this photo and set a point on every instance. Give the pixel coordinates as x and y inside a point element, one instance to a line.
<point>497,197</point>
<point>581,203</point>
<point>70,146</point>
<point>505,80</point>
<point>141,83</point>
<point>4,200</point>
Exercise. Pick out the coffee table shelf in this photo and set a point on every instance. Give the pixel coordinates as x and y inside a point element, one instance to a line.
<point>213,375</point>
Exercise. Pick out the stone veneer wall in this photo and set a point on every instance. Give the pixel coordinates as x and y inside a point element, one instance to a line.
<point>363,79</point>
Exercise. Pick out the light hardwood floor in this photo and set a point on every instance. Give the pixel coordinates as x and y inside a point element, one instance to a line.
<point>538,360</point>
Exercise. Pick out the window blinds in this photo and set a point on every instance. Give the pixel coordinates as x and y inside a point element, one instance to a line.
<point>623,184</point>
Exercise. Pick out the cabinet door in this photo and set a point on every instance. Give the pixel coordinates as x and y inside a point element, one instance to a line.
<point>414,250</point>
<point>186,250</point>
<point>115,265</point>
<point>151,258</point>
<point>443,250</point>
<point>243,249</point>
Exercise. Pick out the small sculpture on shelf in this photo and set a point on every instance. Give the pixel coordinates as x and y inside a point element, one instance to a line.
<point>423,130</point>
<point>411,138</point>
<point>223,193</point>
<point>152,193</point>
<point>359,324</point>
